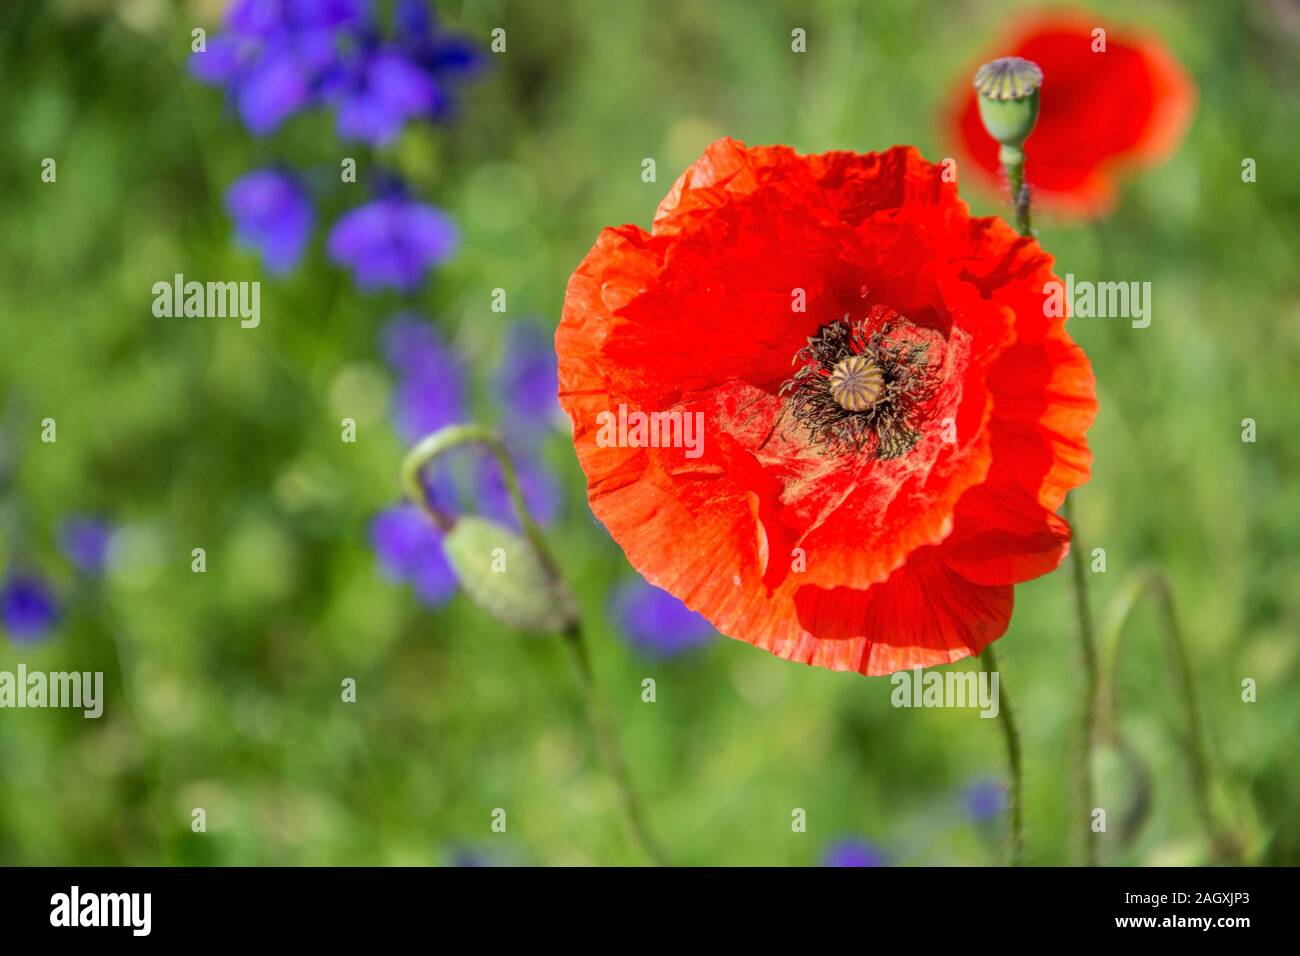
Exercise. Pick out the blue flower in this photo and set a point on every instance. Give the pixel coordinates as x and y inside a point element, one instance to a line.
<point>273,88</point>
<point>377,93</point>
<point>409,547</point>
<point>540,492</point>
<point>273,215</point>
<point>392,242</point>
<point>656,623</point>
<point>430,390</point>
<point>28,608</point>
<point>446,58</point>
<point>85,543</point>
<point>377,85</point>
<point>528,383</point>
<point>984,799</point>
<point>273,54</point>
<point>852,851</point>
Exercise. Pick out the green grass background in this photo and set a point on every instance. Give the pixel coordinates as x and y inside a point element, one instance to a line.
<point>223,688</point>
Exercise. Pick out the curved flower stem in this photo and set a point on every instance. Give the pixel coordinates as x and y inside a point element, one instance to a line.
<point>424,453</point>
<point>1155,583</point>
<point>1011,737</point>
<point>1091,671</point>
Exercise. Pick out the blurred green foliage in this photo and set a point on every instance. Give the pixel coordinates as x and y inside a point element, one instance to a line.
<point>224,688</point>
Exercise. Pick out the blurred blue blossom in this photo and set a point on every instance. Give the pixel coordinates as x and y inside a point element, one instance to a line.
<point>85,541</point>
<point>430,390</point>
<point>409,547</point>
<point>273,215</point>
<point>28,608</point>
<point>540,491</point>
<point>853,851</point>
<point>376,93</point>
<point>391,242</point>
<point>984,799</point>
<point>274,53</point>
<point>444,56</point>
<point>656,623</point>
<point>528,383</point>
<point>429,394</point>
<point>277,57</point>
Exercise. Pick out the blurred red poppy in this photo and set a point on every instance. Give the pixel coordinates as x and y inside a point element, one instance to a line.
<point>1101,113</point>
<point>857,422</point>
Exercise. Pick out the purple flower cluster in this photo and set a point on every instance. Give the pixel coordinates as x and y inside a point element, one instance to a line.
<point>275,58</point>
<point>656,623</point>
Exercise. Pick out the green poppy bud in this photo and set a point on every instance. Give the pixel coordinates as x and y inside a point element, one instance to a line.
<point>504,575</point>
<point>1008,101</point>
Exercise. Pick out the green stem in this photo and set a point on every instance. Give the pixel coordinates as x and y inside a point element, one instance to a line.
<point>610,753</point>
<point>1011,738</point>
<point>1194,741</point>
<point>1091,681</point>
<point>420,457</point>
<point>1013,164</point>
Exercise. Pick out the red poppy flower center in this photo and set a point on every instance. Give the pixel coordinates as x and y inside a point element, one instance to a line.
<point>864,385</point>
<point>856,383</point>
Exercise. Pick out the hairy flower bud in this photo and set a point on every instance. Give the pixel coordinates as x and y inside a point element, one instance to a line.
<point>504,575</point>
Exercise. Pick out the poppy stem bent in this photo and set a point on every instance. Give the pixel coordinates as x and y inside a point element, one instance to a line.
<point>421,456</point>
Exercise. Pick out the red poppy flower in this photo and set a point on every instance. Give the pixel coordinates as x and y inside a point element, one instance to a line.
<point>889,420</point>
<point>1100,112</point>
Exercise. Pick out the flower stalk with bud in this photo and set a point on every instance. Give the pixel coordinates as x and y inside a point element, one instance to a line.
<point>516,580</point>
<point>1008,104</point>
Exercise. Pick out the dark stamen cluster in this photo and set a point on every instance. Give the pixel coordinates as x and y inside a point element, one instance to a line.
<point>889,428</point>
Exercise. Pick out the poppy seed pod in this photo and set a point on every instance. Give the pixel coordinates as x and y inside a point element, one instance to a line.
<point>1103,115</point>
<point>1008,101</point>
